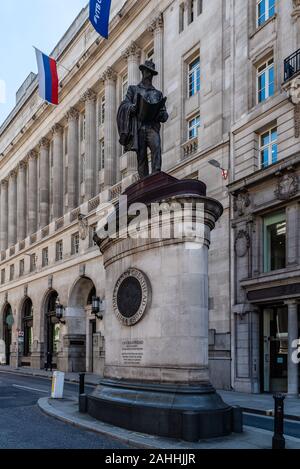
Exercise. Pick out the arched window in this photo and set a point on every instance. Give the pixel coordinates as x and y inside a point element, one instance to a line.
<point>52,324</point>
<point>27,318</point>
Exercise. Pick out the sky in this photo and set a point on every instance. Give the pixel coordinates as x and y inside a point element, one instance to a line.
<point>23,24</point>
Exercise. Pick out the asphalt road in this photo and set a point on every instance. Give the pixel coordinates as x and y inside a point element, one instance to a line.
<point>291,428</point>
<point>24,426</point>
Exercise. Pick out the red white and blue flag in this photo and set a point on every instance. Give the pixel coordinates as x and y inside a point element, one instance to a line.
<point>48,77</point>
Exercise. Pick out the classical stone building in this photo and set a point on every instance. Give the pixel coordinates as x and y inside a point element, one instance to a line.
<point>221,66</point>
<point>265,191</point>
<point>58,164</point>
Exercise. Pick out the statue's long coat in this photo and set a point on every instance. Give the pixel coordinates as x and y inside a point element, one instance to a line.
<point>129,125</point>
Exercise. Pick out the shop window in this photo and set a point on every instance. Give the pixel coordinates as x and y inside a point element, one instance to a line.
<point>275,242</point>
<point>27,327</point>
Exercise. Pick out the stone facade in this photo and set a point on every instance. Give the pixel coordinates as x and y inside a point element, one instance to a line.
<point>59,163</point>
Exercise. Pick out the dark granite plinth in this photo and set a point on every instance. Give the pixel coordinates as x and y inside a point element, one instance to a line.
<point>176,411</point>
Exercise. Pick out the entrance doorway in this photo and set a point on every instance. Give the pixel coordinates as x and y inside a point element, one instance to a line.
<point>7,331</point>
<point>274,349</point>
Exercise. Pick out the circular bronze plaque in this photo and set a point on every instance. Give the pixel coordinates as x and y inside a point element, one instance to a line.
<point>131,296</point>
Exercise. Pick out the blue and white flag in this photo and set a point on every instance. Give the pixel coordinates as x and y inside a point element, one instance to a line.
<point>99,16</point>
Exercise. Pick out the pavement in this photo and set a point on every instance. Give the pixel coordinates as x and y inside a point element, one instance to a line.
<point>66,410</point>
<point>255,407</point>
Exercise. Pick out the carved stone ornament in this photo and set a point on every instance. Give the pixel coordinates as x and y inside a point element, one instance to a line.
<point>287,187</point>
<point>241,202</point>
<point>296,9</point>
<point>242,243</point>
<point>131,297</point>
<point>293,90</point>
<point>83,227</point>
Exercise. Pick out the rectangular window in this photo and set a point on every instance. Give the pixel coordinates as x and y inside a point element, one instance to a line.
<point>101,154</point>
<point>194,77</point>
<point>102,110</point>
<point>274,242</point>
<point>21,267</point>
<point>59,250</point>
<point>199,7</point>
<point>190,11</point>
<point>124,85</point>
<point>45,257</point>
<point>181,18</point>
<point>11,272</point>
<point>265,81</point>
<point>193,127</point>
<point>150,54</point>
<point>32,262</point>
<point>75,244</point>
<point>2,276</point>
<point>265,9</point>
<point>268,147</point>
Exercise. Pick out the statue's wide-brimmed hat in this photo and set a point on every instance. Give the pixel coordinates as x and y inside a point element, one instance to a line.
<point>149,65</point>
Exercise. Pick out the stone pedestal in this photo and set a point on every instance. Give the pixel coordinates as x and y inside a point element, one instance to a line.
<point>156,321</point>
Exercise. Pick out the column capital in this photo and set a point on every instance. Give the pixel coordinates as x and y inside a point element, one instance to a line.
<point>89,96</point>
<point>13,173</point>
<point>133,50</point>
<point>56,129</point>
<point>296,10</point>
<point>109,75</point>
<point>22,165</point>
<point>4,182</point>
<point>44,143</point>
<point>72,114</point>
<point>156,24</point>
<point>32,155</point>
<point>292,302</point>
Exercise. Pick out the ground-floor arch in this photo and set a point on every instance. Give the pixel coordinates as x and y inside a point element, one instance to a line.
<point>7,331</point>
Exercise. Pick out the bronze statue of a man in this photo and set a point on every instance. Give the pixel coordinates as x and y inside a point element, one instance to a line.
<point>139,120</point>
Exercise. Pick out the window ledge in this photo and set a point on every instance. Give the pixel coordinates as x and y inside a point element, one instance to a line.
<point>259,28</point>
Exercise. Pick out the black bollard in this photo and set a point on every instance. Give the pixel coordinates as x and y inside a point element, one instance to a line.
<point>278,438</point>
<point>81,383</point>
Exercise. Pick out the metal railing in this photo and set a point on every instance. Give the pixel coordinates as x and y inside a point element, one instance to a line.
<point>292,65</point>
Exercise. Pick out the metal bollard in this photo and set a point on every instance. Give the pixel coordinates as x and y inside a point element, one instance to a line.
<point>278,441</point>
<point>81,383</point>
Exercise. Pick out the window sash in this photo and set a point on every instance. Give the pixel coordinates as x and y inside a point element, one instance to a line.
<point>268,150</point>
<point>265,81</point>
<point>194,77</point>
<point>265,9</point>
<point>193,126</point>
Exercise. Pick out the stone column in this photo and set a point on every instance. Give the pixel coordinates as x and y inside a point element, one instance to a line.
<point>89,99</point>
<point>157,28</point>
<point>133,57</point>
<point>110,137</point>
<point>4,214</point>
<point>44,183</point>
<point>72,117</point>
<point>21,202</point>
<point>12,209</point>
<point>32,193</point>
<point>58,166</point>
<point>293,336</point>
